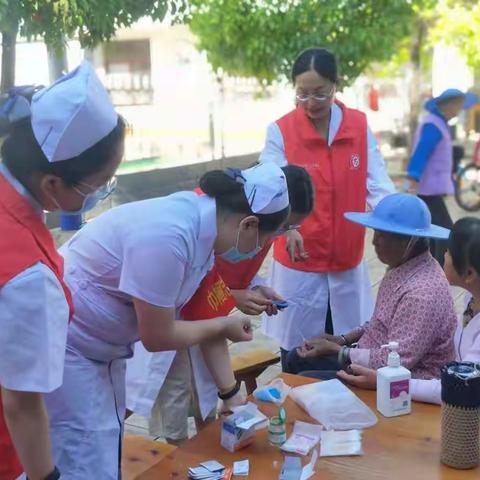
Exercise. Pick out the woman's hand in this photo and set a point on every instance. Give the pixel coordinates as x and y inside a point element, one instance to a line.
<point>237,400</point>
<point>295,247</point>
<point>251,302</point>
<point>362,377</point>
<point>238,328</point>
<point>410,185</point>
<point>27,420</point>
<point>270,294</point>
<point>318,348</point>
<point>256,301</point>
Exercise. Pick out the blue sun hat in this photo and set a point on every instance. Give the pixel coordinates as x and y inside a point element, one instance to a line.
<point>470,99</point>
<point>401,213</point>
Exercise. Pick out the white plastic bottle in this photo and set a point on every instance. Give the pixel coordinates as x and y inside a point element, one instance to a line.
<point>393,385</point>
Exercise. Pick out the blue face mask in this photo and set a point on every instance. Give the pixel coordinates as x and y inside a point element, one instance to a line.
<point>234,255</point>
<point>90,200</point>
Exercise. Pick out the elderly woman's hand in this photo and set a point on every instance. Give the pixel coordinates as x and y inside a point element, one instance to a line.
<point>318,347</point>
<point>339,340</point>
<point>362,377</point>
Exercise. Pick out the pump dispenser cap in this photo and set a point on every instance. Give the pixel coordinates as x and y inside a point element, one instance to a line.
<point>393,356</point>
<point>393,346</point>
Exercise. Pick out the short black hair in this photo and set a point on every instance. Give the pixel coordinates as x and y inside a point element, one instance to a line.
<point>230,196</point>
<point>300,189</point>
<point>421,246</point>
<point>320,60</point>
<point>464,245</point>
<point>23,156</point>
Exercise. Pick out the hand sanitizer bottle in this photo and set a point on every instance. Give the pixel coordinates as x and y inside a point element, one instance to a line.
<point>393,385</point>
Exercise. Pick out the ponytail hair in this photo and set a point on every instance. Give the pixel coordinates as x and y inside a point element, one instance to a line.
<point>230,198</point>
<point>300,189</point>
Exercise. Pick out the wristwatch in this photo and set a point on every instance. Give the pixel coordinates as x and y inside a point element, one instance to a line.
<point>344,356</point>
<point>55,475</point>
<point>231,393</point>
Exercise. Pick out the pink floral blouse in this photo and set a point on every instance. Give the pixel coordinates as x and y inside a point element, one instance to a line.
<point>415,308</point>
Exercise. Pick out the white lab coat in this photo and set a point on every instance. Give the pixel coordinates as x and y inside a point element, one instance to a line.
<point>307,293</point>
<point>147,371</point>
<point>157,250</point>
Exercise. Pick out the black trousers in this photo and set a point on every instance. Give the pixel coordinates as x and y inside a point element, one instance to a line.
<point>324,368</point>
<point>328,329</point>
<point>440,216</point>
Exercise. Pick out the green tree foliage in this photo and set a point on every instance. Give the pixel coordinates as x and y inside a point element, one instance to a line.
<point>458,24</point>
<point>260,38</point>
<point>93,21</point>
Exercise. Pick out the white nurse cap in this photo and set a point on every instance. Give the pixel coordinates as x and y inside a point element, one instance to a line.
<point>265,187</point>
<point>72,115</point>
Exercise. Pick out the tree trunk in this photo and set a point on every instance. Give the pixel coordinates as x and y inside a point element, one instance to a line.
<point>9,40</point>
<point>57,61</point>
<point>415,92</point>
<point>88,55</point>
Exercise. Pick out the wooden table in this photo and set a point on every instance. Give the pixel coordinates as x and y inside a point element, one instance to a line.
<point>403,448</point>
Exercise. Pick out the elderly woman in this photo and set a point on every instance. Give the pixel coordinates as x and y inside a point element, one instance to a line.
<point>462,268</point>
<point>414,305</point>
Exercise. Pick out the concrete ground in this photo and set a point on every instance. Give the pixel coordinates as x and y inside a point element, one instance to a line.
<point>138,425</point>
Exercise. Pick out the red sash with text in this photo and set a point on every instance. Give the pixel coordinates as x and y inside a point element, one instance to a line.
<point>212,299</point>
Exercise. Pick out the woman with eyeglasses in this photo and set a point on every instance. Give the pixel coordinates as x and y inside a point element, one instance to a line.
<point>62,146</point>
<point>318,268</point>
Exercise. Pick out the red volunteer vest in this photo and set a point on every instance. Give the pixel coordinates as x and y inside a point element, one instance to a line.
<point>10,467</point>
<point>24,241</point>
<point>213,297</point>
<point>339,176</point>
<point>238,276</point>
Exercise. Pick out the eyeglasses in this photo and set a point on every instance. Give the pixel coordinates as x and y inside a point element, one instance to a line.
<point>103,191</point>
<point>286,228</point>
<point>320,97</point>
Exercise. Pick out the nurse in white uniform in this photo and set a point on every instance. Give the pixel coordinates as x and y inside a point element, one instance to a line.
<point>318,269</point>
<point>130,271</point>
<point>62,147</point>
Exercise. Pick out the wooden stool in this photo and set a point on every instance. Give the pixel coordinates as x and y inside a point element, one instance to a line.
<point>247,366</point>
<point>140,453</point>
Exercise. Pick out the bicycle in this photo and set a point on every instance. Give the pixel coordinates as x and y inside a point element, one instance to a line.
<point>467,180</point>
